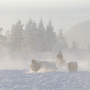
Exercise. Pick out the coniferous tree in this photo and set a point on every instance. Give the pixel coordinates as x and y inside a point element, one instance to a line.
<point>88,48</point>
<point>2,39</point>
<point>41,36</point>
<point>7,35</point>
<point>29,36</point>
<point>62,41</point>
<point>65,45</point>
<point>16,37</point>
<point>75,45</point>
<point>51,36</point>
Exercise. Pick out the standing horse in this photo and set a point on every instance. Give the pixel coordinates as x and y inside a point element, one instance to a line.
<point>72,66</point>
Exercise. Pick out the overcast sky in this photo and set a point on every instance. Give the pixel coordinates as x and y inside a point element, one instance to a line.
<point>63,13</point>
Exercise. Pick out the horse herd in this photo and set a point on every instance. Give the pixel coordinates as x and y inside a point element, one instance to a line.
<point>48,66</point>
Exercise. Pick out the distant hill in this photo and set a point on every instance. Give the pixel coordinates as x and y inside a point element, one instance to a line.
<point>79,33</point>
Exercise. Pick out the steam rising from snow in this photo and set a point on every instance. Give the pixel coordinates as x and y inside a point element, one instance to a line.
<point>8,63</point>
<point>20,62</point>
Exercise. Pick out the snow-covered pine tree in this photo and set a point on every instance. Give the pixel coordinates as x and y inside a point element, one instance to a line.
<point>88,48</point>
<point>16,37</point>
<point>29,36</point>
<point>50,36</point>
<point>62,41</point>
<point>65,45</point>
<point>41,37</point>
<point>35,36</point>
<point>1,29</point>
<point>2,39</point>
<point>74,45</point>
<point>7,36</point>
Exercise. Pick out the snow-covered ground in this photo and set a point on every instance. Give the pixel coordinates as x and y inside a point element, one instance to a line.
<point>15,75</point>
<point>21,80</point>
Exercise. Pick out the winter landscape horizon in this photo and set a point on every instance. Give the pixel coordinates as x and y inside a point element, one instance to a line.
<point>44,45</point>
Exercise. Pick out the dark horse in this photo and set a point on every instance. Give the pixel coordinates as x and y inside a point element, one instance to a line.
<point>72,66</point>
<point>35,65</point>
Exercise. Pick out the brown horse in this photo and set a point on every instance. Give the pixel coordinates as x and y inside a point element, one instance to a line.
<point>35,65</point>
<point>72,66</point>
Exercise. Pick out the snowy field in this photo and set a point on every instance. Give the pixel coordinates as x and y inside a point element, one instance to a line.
<point>21,80</point>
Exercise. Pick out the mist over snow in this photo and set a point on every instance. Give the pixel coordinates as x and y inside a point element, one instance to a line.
<point>21,61</point>
<point>36,41</point>
<point>8,62</point>
<point>80,34</point>
<point>44,45</point>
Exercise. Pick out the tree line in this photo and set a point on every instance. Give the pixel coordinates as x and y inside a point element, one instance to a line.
<point>33,38</point>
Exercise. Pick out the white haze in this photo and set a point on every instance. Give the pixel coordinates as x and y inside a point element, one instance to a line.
<point>63,13</point>
<point>22,62</point>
